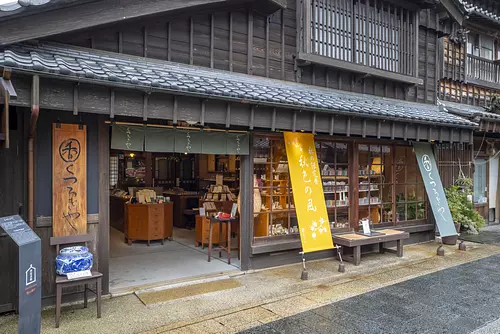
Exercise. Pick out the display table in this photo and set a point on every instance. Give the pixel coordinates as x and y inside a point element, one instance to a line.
<point>203,230</point>
<point>148,222</point>
<point>356,240</point>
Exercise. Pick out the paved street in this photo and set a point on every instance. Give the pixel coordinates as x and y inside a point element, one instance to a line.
<point>462,299</point>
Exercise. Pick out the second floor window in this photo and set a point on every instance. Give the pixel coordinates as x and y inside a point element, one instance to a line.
<point>367,32</point>
<point>483,46</point>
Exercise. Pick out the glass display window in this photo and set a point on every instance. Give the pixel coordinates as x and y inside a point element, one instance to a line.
<point>333,158</point>
<point>274,209</point>
<point>411,199</point>
<point>375,195</point>
<point>390,187</point>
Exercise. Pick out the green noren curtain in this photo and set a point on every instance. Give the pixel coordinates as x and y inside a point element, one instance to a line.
<point>160,140</point>
<point>238,143</point>
<point>188,141</point>
<point>127,137</point>
<point>214,143</point>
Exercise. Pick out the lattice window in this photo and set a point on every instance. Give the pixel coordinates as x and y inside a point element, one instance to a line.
<point>367,32</point>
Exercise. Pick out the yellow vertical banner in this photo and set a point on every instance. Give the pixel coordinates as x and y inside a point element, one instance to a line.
<point>307,187</point>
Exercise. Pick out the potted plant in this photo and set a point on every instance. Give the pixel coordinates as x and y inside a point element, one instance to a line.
<point>461,207</point>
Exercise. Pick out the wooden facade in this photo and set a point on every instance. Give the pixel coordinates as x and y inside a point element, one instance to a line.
<point>313,42</point>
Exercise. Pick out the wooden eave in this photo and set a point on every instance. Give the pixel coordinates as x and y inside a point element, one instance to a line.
<point>454,10</point>
<point>307,58</point>
<point>87,15</point>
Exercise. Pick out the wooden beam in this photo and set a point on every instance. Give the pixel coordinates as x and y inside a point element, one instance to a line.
<point>191,41</point>
<point>145,41</point>
<point>252,116</point>
<point>379,129</point>
<point>294,121</point>
<point>169,41</point>
<point>91,14</point>
<point>228,115</point>
<point>332,124</point>
<point>246,213</point>
<point>393,130</point>
<point>202,115</point>
<point>103,162</point>
<point>112,104</point>
<point>348,130</point>
<point>250,42</point>
<point>75,100</point>
<point>145,99</point>
<point>273,121</point>
<point>282,31</point>
<point>313,123</point>
<point>363,131</point>
<point>230,41</point>
<point>176,110</point>
<point>212,39</point>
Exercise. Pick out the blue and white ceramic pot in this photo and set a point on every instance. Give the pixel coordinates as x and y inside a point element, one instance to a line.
<point>71,259</point>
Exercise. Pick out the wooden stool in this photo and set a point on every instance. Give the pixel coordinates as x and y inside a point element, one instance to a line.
<point>220,248</point>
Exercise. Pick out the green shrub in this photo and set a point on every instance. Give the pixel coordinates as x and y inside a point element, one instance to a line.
<point>462,210</point>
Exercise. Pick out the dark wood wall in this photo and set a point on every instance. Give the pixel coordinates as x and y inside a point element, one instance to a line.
<point>241,40</point>
<point>13,201</point>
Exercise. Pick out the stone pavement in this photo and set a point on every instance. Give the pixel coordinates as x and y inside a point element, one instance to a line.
<point>488,235</point>
<point>265,296</point>
<point>461,299</point>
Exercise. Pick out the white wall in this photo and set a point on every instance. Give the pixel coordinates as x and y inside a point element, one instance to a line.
<point>492,186</point>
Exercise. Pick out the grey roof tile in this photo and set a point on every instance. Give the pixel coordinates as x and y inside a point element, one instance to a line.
<point>470,7</point>
<point>98,67</point>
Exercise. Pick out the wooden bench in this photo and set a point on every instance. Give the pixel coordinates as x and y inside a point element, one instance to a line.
<point>356,240</point>
<point>64,282</point>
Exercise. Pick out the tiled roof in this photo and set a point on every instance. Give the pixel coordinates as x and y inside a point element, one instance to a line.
<point>468,111</point>
<point>470,7</point>
<point>136,72</point>
<point>12,5</point>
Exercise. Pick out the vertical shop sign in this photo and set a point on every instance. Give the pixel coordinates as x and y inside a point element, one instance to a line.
<point>434,189</point>
<point>69,179</point>
<point>309,199</point>
<point>29,272</point>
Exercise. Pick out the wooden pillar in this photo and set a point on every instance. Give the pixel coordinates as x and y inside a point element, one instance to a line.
<point>149,169</point>
<point>246,209</point>
<point>103,239</point>
<point>35,110</point>
<point>497,204</point>
<point>354,185</point>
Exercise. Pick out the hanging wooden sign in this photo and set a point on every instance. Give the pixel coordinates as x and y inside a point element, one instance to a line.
<point>69,179</point>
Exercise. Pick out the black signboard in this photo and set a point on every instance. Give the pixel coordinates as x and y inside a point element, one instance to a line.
<point>30,272</point>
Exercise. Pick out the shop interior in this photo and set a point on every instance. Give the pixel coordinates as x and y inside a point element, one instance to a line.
<point>157,232</point>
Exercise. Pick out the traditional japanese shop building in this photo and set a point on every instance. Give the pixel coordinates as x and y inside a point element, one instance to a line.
<point>181,96</point>
<point>469,86</point>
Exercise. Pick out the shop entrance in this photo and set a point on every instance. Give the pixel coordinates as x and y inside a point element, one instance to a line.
<point>159,208</point>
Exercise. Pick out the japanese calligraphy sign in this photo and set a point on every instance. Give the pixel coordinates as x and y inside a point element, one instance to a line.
<point>69,179</point>
<point>309,199</point>
<point>434,188</point>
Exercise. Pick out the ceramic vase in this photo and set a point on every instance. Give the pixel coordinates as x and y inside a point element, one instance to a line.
<point>71,259</point>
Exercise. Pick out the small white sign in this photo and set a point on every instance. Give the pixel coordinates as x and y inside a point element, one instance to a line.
<point>202,212</point>
<point>366,226</point>
<point>233,210</point>
<point>30,275</point>
<point>79,274</point>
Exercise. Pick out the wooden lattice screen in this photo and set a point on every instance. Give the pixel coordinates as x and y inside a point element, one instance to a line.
<point>451,159</point>
<point>367,32</point>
